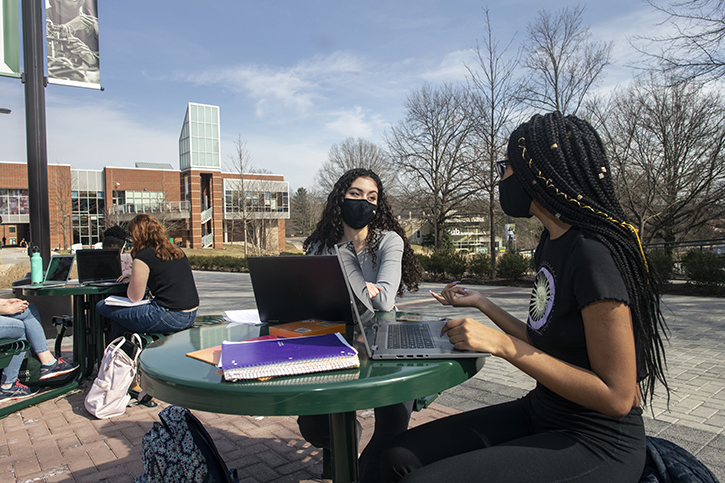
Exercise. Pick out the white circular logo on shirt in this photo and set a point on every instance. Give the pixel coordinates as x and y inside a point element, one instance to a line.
<point>542,299</point>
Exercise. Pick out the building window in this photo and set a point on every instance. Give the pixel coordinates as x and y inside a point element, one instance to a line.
<point>89,218</point>
<point>14,202</point>
<point>11,229</point>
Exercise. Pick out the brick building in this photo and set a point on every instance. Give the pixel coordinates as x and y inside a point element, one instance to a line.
<point>201,206</point>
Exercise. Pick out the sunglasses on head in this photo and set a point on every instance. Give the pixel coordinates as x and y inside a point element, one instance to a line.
<point>501,167</point>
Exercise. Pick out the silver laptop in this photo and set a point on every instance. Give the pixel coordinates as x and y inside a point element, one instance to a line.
<point>99,267</point>
<point>58,271</point>
<point>386,336</point>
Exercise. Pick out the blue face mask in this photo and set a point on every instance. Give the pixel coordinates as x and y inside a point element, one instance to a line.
<point>514,199</point>
<point>357,213</point>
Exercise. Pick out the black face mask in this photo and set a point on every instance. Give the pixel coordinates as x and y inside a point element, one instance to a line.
<point>358,213</point>
<point>515,201</point>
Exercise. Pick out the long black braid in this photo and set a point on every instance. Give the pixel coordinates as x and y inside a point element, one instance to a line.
<point>329,229</point>
<point>561,163</point>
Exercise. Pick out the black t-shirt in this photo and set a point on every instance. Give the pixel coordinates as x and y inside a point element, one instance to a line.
<point>573,271</point>
<point>170,282</point>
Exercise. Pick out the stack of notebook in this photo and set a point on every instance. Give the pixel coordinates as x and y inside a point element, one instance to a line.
<point>263,359</point>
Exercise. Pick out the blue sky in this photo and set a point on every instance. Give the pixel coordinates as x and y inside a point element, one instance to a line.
<point>291,78</point>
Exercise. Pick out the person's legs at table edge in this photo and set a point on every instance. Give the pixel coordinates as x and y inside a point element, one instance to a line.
<point>145,318</point>
<point>506,443</point>
<point>21,326</point>
<point>389,421</point>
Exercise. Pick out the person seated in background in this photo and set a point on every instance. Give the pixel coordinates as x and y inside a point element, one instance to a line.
<point>116,237</point>
<point>20,320</point>
<point>358,211</point>
<point>163,268</point>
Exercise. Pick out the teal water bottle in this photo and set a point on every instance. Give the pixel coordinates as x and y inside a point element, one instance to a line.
<point>36,266</point>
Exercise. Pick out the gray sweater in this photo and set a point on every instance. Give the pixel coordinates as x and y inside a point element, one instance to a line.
<point>385,273</point>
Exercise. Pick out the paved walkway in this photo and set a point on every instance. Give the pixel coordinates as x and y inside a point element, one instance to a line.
<point>58,441</point>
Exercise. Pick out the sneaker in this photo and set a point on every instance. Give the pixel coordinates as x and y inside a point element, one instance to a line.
<point>58,369</point>
<point>17,391</point>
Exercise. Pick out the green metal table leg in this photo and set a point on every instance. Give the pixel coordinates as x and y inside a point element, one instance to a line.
<point>343,443</point>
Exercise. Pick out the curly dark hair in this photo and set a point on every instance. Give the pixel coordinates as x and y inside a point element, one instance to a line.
<point>115,237</point>
<point>561,162</point>
<point>329,230</point>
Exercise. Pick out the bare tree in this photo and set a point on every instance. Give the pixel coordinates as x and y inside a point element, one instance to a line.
<point>354,153</point>
<point>563,63</point>
<point>695,48</point>
<point>494,83</point>
<point>666,143</point>
<point>60,198</point>
<point>240,162</point>
<point>432,149</point>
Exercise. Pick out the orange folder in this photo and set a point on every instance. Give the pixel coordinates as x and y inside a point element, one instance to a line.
<point>213,354</point>
<point>306,327</point>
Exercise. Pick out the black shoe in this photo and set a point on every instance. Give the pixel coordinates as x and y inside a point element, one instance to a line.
<point>59,368</point>
<point>17,391</point>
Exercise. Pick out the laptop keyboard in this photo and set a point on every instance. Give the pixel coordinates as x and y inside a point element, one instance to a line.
<point>409,336</point>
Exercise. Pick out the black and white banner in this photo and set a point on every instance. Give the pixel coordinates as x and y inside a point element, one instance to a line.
<point>72,35</point>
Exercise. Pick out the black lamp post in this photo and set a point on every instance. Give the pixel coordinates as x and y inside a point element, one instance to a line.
<point>37,149</point>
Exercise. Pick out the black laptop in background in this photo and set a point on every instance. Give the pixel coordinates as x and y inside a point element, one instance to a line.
<point>98,267</point>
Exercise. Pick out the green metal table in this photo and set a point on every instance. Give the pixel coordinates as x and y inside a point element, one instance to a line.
<point>88,328</point>
<point>168,375</point>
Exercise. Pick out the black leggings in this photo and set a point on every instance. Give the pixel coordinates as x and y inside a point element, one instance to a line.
<point>539,438</point>
<point>389,421</point>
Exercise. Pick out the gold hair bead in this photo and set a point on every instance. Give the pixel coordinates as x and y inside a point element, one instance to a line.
<point>579,197</point>
<point>554,146</point>
<point>601,175</point>
<point>604,170</point>
<point>558,215</point>
<point>533,181</point>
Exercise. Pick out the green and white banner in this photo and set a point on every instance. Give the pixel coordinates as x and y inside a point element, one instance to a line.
<point>72,36</point>
<point>9,39</point>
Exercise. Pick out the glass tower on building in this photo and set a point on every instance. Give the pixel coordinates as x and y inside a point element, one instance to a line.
<point>199,139</point>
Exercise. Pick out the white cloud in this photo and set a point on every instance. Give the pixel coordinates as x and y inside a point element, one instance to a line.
<point>452,67</point>
<point>94,135</point>
<point>299,87</point>
<point>354,122</point>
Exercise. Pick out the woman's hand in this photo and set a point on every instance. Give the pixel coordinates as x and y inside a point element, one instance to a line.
<point>125,278</point>
<point>457,296</point>
<point>471,335</point>
<point>373,291</point>
<point>12,306</point>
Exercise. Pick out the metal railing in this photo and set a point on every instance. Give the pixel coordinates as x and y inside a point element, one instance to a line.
<point>207,240</point>
<point>206,215</point>
<point>169,206</point>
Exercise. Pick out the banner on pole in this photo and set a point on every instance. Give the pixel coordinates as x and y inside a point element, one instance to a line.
<point>72,36</point>
<point>9,39</point>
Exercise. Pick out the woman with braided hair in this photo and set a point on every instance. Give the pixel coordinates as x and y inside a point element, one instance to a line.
<point>357,211</point>
<point>592,341</point>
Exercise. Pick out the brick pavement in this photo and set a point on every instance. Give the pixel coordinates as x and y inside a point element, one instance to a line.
<point>57,441</point>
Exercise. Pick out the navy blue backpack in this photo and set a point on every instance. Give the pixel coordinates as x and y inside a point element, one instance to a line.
<point>668,463</point>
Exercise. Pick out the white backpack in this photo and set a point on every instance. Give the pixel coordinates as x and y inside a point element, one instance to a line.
<point>109,396</point>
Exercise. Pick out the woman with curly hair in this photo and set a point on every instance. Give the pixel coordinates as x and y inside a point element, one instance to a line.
<point>163,268</point>
<point>593,340</point>
<point>357,210</point>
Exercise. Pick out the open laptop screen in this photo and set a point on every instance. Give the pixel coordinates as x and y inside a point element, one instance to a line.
<point>59,269</point>
<point>99,265</point>
<point>293,288</point>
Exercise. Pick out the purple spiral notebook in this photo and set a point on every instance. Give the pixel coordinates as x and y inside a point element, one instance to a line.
<point>263,359</point>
